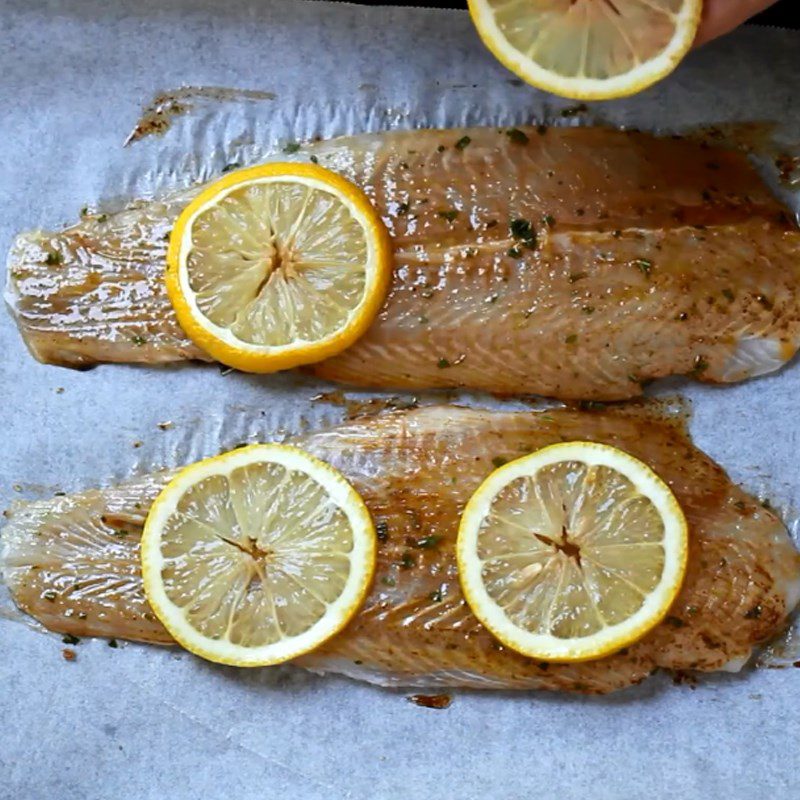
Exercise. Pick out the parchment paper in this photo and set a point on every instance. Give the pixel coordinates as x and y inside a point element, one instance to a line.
<point>143,722</point>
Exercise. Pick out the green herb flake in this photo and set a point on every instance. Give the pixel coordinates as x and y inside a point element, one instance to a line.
<point>541,129</point>
<point>728,295</point>
<point>587,309</point>
<point>634,378</point>
<point>382,531</point>
<point>549,220</point>
<point>138,340</point>
<point>85,211</point>
<point>428,542</point>
<point>675,622</point>
<point>54,258</point>
<point>514,252</point>
<point>573,111</point>
<point>517,136</point>
<point>740,505</point>
<point>230,166</point>
<point>388,580</point>
<point>576,276</point>
<point>441,148</point>
<point>102,218</point>
<point>492,223</point>
<point>499,461</point>
<point>753,613</point>
<point>443,363</point>
<point>403,208</point>
<point>436,595</point>
<point>313,159</point>
<point>49,595</point>
<point>522,230</point>
<point>407,561</point>
<point>291,147</point>
<point>700,365</point>
<point>572,338</point>
<point>644,265</point>
<point>450,215</point>
<point>764,301</point>
<point>113,643</point>
<point>68,638</point>
<point>463,142</point>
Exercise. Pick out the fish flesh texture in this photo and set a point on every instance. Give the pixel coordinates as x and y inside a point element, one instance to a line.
<point>73,562</point>
<point>576,263</point>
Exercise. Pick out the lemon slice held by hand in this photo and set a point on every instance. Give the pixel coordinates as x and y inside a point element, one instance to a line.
<point>588,49</point>
<point>572,552</point>
<point>257,556</point>
<point>278,265</point>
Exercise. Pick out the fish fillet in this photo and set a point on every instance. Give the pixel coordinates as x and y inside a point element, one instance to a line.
<point>73,562</point>
<point>567,262</point>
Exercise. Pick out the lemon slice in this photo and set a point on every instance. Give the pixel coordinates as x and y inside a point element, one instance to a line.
<point>572,552</point>
<point>588,49</point>
<point>277,265</point>
<point>257,556</point>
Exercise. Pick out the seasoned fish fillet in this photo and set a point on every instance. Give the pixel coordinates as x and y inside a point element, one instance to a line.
<point>567,262</point>
<point>73,562</point>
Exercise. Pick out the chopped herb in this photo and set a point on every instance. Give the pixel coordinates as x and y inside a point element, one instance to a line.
<point>388,580</point>
<point>426,294</point>
<point>728,295</point>
<point>571,339</point>
<point>49,595</point>
<point>676,622</point>
<point>403,208</point>
<point>692,610</point>
<point>541,129</point>
<point>427,542</point>
<point>576,276</point>
<point>523,230</point>
<point>423,320</point>
<point>580,211</point>
<point>68,638</point>
<point>588,309</point>
<point>450,215</point>
<point>54,258</point>
<point>138,340</point>
<point>549,220</point>
<point>591,405</point>
<point>700,365</point>
<point>517,136</point>
<point>643,264</point>
<point>113,643</point>
<point>463,142</point>
<point>102,218</point>
<point>498,461</point>
<point>407,561</point>
<point>492,223</point>
<point>436,595</point>
<point>165,237</point>
<point>682,317</point>
<point>404,165</point>
<point>633,378</point>
<point>740,505</point>
<point>753,613</point>
<point>231,166</point>
<point>765,301</point>
<point>442,363</point>
<point>291,147</point>
<point>765,503</point>
<point>85,211</point>
<point>514,252</point>
<point>382,531</point>
<point>313,159</point>
<point>441,148</point>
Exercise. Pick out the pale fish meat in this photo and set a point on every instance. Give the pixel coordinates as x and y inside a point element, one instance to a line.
<point>73,562</point>
<point>567,262</point>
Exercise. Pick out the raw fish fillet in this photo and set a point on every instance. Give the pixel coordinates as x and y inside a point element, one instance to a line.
<point>73,562</point>
<point>567,262</point>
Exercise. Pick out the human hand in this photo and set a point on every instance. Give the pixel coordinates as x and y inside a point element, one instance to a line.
<point>722,16</point>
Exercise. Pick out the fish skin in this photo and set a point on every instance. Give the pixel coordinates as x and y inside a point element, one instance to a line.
<point>652,257</point>
<point>416,470</point>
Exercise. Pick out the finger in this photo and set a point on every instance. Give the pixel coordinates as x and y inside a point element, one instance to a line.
<point>722,16</point>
